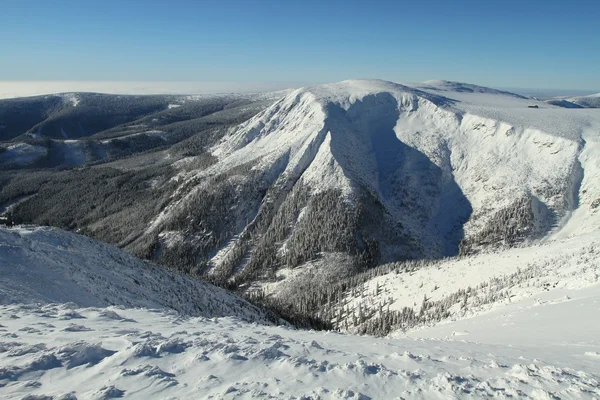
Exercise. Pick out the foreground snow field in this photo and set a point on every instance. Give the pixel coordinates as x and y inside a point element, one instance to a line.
<point>60,350</point>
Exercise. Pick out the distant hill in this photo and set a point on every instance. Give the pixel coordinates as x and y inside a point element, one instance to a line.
<point>591,101</point>
<point>74,129</point>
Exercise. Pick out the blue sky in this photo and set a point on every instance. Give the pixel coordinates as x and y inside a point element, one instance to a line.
<point>529,43</point>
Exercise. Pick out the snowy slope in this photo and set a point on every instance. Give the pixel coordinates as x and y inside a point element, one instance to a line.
<point>47,265</point>
<point>452,88</point>
<point>590,101</point>
<point>563,316</point>
<point>445,162</point>
<point>101,353</point>
<point>466,287</point>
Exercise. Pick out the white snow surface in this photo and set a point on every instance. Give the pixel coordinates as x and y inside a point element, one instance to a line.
<point>544,320</point>
<point>48,265</point>
<point>100,353</point>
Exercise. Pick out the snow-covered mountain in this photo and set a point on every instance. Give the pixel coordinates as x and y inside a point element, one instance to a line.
<point>380,171</point>
<point>48,265</point>
<point>590,101</point>
<point>461,87</point>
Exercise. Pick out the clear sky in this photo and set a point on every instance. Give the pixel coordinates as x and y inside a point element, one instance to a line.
<point>524,43</point>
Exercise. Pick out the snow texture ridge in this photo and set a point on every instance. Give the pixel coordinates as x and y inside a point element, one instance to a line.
<point>154,354</point>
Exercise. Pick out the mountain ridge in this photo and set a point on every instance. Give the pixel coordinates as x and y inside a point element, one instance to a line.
<point>410,154</point>
<point>48,265</point>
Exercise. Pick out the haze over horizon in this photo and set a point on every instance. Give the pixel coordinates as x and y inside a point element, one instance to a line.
<point>271,45</point>
<point>14,89</point>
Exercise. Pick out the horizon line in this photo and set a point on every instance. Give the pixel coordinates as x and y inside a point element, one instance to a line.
<point>31,88</point>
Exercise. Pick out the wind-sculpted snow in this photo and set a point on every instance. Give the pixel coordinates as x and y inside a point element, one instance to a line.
<point>158,354</point>
<point>49,265</point>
